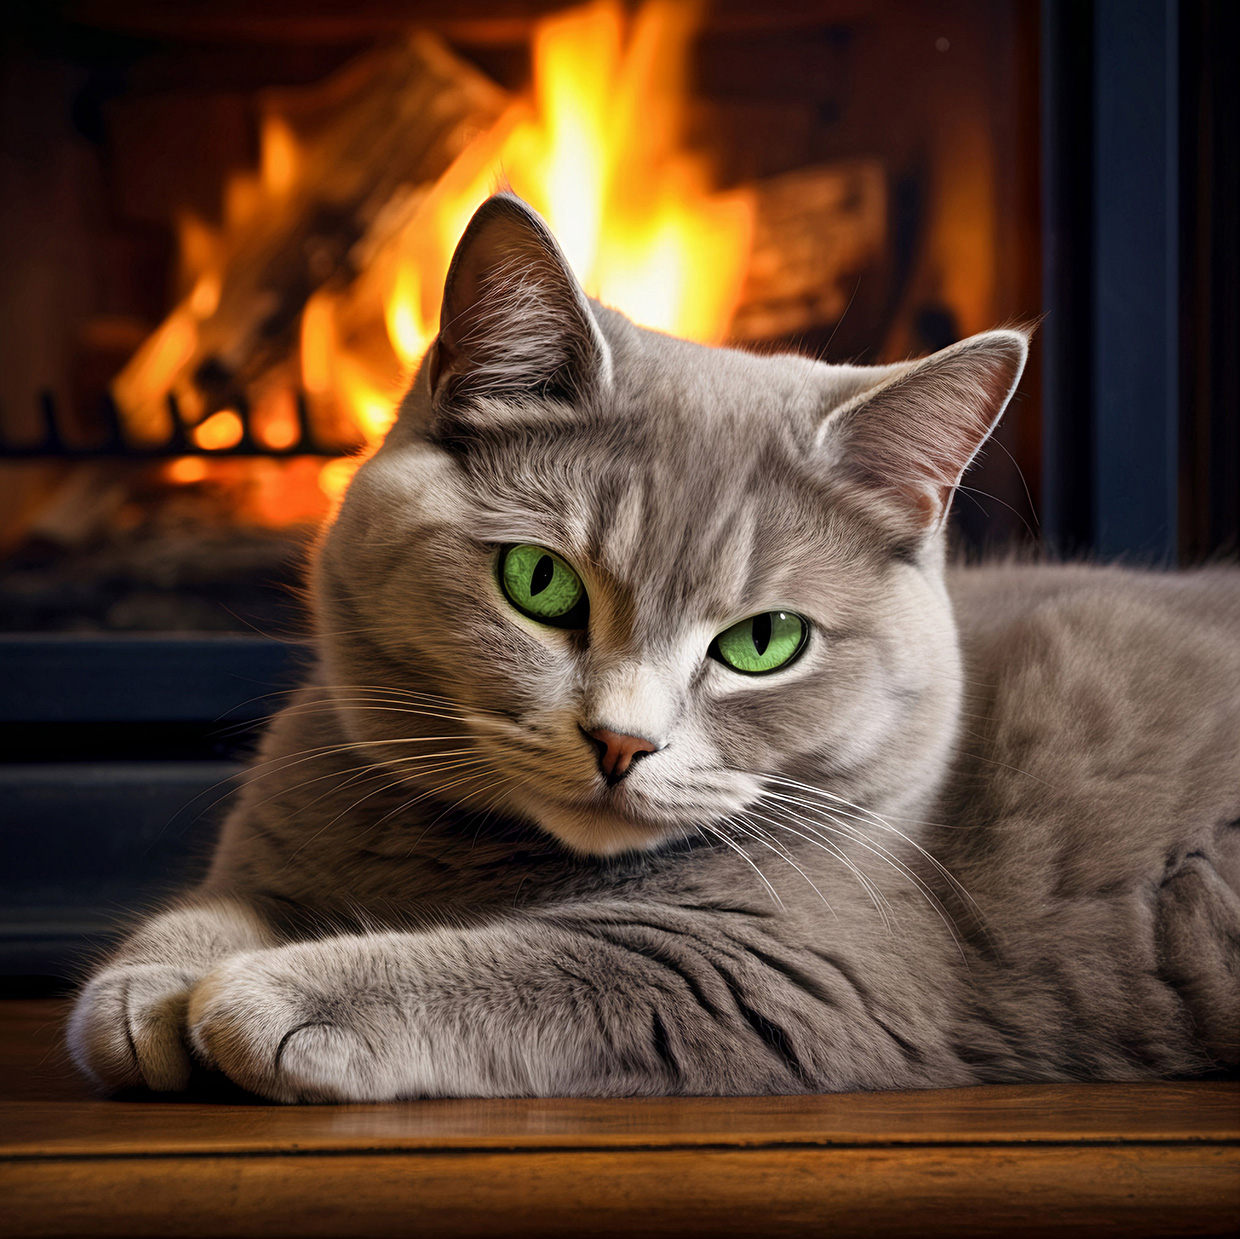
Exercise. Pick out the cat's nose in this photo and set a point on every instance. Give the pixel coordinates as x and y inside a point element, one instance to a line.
<point>617,752</point>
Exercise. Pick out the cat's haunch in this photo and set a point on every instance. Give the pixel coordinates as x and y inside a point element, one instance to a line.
<point>654,747</point>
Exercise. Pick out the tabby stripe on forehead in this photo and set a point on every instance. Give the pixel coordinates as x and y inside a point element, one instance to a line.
<point>762,632</point>
<point>544,570</point>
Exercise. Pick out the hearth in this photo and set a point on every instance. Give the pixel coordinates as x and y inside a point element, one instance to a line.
<point>271,202</point>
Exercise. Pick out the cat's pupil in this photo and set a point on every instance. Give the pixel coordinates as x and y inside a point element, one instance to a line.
<point>761,632</point>
<point>544,570</point>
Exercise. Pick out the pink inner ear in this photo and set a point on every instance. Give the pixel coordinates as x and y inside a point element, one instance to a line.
<point>514,321</point>
<point>464,302</point>
<point>914,437</point>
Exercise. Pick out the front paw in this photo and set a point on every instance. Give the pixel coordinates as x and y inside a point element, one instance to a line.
<point>128,1028</point>
<point>275,1022</point>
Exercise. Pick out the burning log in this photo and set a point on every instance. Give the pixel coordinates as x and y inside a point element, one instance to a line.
<point>816,231</point>
<point>395,120</point>
<point>334,255</point>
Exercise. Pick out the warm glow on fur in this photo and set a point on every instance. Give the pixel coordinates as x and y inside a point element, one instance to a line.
<point>983,827</point>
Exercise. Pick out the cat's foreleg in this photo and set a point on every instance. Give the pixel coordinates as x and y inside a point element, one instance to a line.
<point>128,1024</point>
<point>524,1009</point>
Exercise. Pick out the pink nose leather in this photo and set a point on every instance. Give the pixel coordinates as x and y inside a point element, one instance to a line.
<point>617,752</point>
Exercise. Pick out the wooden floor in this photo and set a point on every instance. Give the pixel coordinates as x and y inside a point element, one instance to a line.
<point>1072,1160</point>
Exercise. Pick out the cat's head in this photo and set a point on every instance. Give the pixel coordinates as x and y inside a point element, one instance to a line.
<point>621,585</point>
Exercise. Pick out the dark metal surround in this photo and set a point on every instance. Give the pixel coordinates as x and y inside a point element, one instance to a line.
<point>1141,419</point>
<point>119,757</point>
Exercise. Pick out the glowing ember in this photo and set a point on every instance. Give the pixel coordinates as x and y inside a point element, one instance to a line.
<point>597,150</point>
<point>274,418</point>
<point>221,430</point>
<point>186,470</point>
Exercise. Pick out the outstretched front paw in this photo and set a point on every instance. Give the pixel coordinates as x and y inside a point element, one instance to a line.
<point>128,1028</point>
<point>284,1024</point>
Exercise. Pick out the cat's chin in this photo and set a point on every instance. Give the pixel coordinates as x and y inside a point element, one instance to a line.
<point>594,830</point>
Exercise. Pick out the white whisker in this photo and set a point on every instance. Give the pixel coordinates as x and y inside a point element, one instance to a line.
<point>759,835</point>
<point>735,847</point>
<point>850,832</point>
<point>881,906</point>
<point>876,819</point>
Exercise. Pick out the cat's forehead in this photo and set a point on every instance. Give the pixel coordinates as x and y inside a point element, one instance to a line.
<point>691,491</point>
<point>689,387</point>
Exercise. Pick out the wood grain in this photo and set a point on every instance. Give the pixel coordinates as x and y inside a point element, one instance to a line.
<point>796,1191</point>
<point>992,1115</point>
<point>1130,1159</point>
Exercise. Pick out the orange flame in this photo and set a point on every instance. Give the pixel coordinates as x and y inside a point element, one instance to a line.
<point>599,158</point>
<point>598,155</point>
<point>597,150</point>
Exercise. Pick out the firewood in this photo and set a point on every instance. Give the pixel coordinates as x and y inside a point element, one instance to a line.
<point>817,230</point>
<point>371,142</point>
<point>391,120</point>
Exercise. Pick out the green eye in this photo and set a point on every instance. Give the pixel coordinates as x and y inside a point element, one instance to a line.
<point>761,643</point>
<point>541,585</point>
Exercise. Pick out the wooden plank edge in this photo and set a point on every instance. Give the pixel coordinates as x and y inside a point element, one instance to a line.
<point>1151,1191</point>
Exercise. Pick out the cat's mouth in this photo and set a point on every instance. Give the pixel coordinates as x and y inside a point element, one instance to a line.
<point>606,824</point>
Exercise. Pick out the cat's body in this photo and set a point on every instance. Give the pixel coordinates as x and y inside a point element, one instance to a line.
<point>488,853</point>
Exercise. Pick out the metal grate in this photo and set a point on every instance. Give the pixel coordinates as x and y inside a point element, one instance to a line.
<point>115,445</point>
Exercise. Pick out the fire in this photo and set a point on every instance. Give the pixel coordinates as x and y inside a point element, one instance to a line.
<point>280,157</point>
<point>221,430</point>
<point>598,155</point>
<point>597,149</point>
<point>274,418</point>
<point>336,475</point>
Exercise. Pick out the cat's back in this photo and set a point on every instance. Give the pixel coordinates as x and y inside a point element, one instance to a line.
<point>1107,659</point>
<point>1062,643</point>
<point>1094,807</point>
<point>991,598</point>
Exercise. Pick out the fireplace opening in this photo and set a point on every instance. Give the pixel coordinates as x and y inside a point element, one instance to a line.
<point>232,228</point>
<point>222,231</point>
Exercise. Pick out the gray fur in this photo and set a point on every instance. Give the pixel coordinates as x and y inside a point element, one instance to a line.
<point>984,828</point>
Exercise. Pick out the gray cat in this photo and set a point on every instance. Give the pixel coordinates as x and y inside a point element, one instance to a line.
<point>654,749</point>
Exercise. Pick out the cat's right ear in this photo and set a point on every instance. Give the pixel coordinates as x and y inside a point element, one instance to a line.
<point>515,326</point>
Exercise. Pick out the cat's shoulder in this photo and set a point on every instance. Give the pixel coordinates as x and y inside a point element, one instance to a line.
<point>991,598</point>
<point>1051,628</point>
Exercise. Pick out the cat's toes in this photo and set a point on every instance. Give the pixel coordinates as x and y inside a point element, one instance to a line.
<point>128,1028</point>
<point>275,1032</point>
<point>325,1062</point>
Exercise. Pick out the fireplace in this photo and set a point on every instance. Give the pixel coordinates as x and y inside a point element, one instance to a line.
<point>212,304</point>
<point>263,208</point>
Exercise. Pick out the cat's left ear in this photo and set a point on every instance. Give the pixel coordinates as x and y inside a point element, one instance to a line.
<point>909,441</point>
<point>515,323</point>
